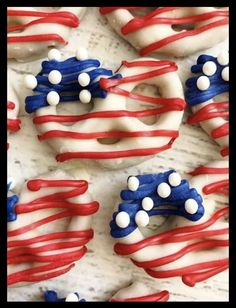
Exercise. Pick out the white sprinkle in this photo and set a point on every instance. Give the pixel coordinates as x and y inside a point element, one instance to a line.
<point>12,182</point>
<point>191,206</point>
<point>81,54</point>
<point>122,219</point>
<point>223,58</point>
<point>174,179</point>
<point>72,297</point>
<point>225,73</point>
<point>53,98</point>
<point>54,54</point>
<point>209,68</point>
<point>133,183</point>
<point>163,190</point>
<point>147,203</point>
<point>203,83</point>
<point>30,82</point>
<point>142,218</point>
<point>84,79</point>
<point>54,77</point>
<point>85,96</point>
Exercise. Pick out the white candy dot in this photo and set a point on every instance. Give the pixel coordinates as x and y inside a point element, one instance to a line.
<point>54,77</point>
<point>225,73</point>
<point>54,54</point>
<point>209,68</point>
<point>72,297</point>
<point>30,82</point>
<point>12,182</point>
<point>142,218</point>
<point>122,219</point>
<point>53,98</point>
<point>133,183</point>
<point>203,83</point>
<point>85,96</point>
<point>174,179</point>
<point>191,206</point>
<point>163,190</point>
<point>223,58</point>
<point>147,203</point>
<point>84,79</point>
<point>82,54</point>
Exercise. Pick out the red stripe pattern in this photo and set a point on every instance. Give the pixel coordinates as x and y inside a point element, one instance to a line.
<point>52,254</point>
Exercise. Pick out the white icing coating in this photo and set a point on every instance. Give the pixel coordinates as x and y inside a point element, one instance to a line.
<point>85,96</point>
<point>53,98</point>
<point>133,183</point>
<point>142,218</point>
<point>225,73</point>
<point>191,206</point>
<point>209,68</point>
<point>54,77</point>
<point>122,219</point>
<point>82,54</point>
<point>203,83</point>
<point>163,190</point>
<point>223,58</point>
<point>54,54</point>
<point>174,179</point>
<point>84,79</point>
<point>30,82</point>
<point>72,297</point>
<point>147,203</point>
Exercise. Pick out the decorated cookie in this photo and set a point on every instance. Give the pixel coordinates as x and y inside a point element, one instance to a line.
<point>49,224</point>
<point>103,128</point>
<point>51,296</point>
<point>32,31</point>
<point>139,292</point>
<point>193,242</point>
<point>178,31</point>
<point>207,94</point>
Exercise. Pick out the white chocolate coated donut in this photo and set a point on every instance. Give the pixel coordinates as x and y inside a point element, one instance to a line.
<point>32,31</point>
<point>156,31</point>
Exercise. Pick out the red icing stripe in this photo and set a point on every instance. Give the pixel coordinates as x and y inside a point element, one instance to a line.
<point>36,38</point>
<point>162,296</point>
<point>220,131</point>
<point>11,105</point>
<point>225,151</point>
<point>13,124</point>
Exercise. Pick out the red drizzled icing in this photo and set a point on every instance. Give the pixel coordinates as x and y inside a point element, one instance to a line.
<point>211,111</point>
<point>67,19</point>
<point>162,296</point>
<point>192,273</point>
<point>13,125</point>
<point>21,250</point>
<point>152,18</point>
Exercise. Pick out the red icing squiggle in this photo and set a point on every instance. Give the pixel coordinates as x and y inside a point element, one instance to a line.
<point>13,125</point>
<point>67,19</point>
<point>162,296</point>
<point>152,18</point>
<point>21,250</point>
<point>190,274</point>
<point>211,111</point>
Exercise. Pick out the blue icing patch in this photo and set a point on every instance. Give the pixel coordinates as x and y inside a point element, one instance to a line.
<point>51,296</point>
<point>148,184</point>
<point>217,86</point>
<point>11,203</point>
<point>69,88</point>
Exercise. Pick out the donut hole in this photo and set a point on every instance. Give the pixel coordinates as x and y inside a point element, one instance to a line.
<point>108,140</point>
<point>155,223</point>
<point>138,105</point>
<point>183,27</point>
<point>140,12</point>
<point>223,97</point>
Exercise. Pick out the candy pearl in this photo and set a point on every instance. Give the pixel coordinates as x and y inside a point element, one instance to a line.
<point>81,54</point>
<point>223,58</point>
<point>209,68</point>
<point>163,190</point>
<point>225,73</point>
<point>147,203</point>
<point>174,179</point>
<point>84,79</point>
<point>203,83</point>
<point>142,219</point>
<point>53,98</point>
<point>122,219</point>
<point>85,96</point>
<point>30,82</point>
<point>133,183</point>
<point>54,54</point>
<point>72,297</point>
<point>12,182</point>
<point>54,77</point>
<point>191,206</point>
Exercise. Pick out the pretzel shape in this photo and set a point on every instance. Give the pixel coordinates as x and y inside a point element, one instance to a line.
<point>49,225</point>
<point>155,32</point>
<point>192,227</point>
<point>32,31</point>
<point>109,134</point>
<point>211,80</point>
